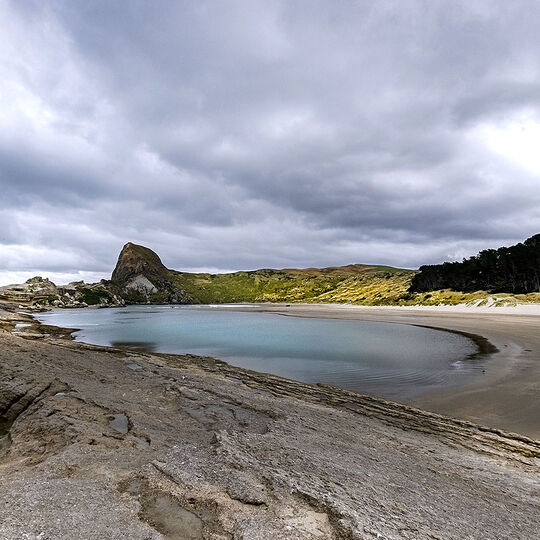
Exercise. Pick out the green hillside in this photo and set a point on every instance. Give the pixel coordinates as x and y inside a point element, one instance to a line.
<point>352,284</point>
<point>140,276</point>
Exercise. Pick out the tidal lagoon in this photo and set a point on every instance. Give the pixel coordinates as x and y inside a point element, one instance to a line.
<point>394,361</point>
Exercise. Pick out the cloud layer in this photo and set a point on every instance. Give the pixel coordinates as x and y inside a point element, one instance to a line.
<point>245,134</point>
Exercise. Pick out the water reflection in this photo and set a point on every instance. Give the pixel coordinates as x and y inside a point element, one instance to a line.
<point>142,346</point>
<point>395,361</point>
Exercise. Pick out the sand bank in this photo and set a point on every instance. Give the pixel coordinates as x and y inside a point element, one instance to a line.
<point>507,397</point>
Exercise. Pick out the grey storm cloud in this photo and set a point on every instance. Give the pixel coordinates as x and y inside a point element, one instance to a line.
<point>247,134</point>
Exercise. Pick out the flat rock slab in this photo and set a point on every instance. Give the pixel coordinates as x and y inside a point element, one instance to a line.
<point>119,422</point>
<point>179,451</point>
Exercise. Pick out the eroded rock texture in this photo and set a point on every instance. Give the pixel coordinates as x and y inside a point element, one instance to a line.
<point>188,447</point>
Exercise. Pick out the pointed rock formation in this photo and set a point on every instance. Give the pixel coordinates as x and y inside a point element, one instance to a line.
<point>135,260</point>
<point>140,271</point>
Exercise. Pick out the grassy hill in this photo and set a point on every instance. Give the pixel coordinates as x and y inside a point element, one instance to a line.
<point>141,277</point>
<point>353,283</point>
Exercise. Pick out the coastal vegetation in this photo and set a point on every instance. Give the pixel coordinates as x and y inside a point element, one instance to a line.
<point>502,277</point>
<point>141,277</point>
<point>514,269</point>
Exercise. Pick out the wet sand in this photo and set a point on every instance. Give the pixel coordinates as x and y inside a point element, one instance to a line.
<point>508,395</point>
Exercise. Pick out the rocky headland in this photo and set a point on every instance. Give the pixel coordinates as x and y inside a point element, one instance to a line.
<point>40,293</point>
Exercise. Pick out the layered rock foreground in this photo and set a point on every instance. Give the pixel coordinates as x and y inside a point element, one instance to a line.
<point>109,443</point>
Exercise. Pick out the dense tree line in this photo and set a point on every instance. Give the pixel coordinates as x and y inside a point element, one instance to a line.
<point>514,269</point>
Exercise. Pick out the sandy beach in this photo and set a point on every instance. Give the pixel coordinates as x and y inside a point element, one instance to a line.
<point>507,397</point>
<point>100,442</point>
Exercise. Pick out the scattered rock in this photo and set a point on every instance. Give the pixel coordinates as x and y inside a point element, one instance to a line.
<point>119,422</point>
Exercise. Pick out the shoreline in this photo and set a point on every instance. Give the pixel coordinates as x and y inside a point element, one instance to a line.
<point>495,400</point>
<point>112,443</point>
<point>55,335</point>
<point>508,394</point>
<point>484,348</point>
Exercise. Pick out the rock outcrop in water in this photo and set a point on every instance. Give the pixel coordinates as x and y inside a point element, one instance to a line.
<point>135,261</point>
<point>140,276</point>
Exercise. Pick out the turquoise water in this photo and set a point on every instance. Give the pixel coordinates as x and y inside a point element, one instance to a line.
<point>394,361</point>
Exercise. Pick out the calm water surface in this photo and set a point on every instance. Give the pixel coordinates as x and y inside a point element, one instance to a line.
<point>394,361</point>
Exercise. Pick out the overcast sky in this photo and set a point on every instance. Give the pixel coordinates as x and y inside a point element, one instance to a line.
<point>242,134</point>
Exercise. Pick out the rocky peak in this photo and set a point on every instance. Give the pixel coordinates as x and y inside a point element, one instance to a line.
<point>38,280</point>
<point>135,260</point>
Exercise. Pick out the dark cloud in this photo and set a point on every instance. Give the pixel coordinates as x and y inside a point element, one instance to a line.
<point>240,134</point>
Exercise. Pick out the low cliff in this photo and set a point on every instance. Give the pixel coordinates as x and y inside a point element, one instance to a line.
<point>40,292</point>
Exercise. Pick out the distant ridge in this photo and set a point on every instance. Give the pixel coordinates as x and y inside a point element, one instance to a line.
<point>507,276</point>
<point>140,276</point>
